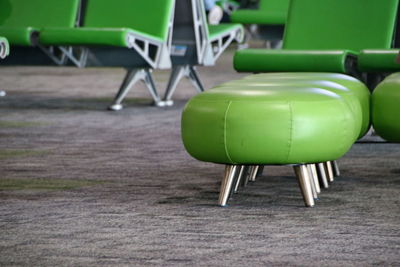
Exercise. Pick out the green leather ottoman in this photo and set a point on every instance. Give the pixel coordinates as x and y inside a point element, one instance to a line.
<point>386,108</point>
<point>271,124</point>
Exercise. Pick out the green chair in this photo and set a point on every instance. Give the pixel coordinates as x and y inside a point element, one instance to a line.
<point>255,121</point>
<point>386,108</point>
<point>270,17</point>
<point>194,43</point>
<point>318,39</point>
<point>130,34</point>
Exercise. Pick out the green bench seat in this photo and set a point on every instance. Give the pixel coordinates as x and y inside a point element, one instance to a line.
<point>263,120</point>
<point>386,108</point>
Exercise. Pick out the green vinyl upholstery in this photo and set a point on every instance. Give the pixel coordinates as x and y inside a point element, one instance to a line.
<point>379,60</point>
<point>4,47</point>
<point>215,31</point>
<point>270,12</point>
<point>386,108</point>
<point>315,25</point>
<point>20,18</point>
<point>268,125</point>
<point>110,26</point>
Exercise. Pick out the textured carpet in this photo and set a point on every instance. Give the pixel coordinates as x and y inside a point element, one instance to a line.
<point>81,186</point>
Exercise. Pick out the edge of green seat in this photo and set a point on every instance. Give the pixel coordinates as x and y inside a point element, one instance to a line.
<point>378,60</point>
<point>262,60</point>
<point>90,36</point>
<point>19,35</point>
<point>214,31</point>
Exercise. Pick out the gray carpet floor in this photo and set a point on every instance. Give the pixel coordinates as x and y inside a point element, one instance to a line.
<point>82,186</point>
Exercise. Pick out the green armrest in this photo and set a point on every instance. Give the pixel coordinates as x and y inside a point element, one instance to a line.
<point>258,17</point>
<point>214,31</point>
<point>4,47</point>
<point>90,36</point>
<point>18,35</point>
<point>378,60</point>
<point>262,60</point>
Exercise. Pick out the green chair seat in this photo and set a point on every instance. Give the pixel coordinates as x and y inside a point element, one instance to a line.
<point>270,125</point>
<point>215,31</point>
<point>91,36</point>
<point>386,108</point>
<point>258,17</point>
<point>262,60</point>
<point>383,60</point>
<point>269,12</point>
<point>4,47</point>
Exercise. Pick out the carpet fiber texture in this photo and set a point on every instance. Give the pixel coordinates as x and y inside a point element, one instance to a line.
<point>82,186</point>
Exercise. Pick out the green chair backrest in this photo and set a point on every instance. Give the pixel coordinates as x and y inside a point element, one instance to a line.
<point>148,16</point>
<point>340,24</point>
<point>274,5</point>
<point>38,13</point>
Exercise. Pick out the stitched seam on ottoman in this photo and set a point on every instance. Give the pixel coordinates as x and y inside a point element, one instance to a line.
<point>290,130</point>
<point>225,143</point>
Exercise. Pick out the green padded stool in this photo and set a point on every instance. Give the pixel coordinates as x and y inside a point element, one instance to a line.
<point>268,125</point>
<point>386,108</point>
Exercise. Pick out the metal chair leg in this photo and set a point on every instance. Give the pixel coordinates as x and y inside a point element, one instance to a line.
<point>314,175</point>
<point>227,183</point>
<point>178,72</point>
<point>241,176</point>
<point>336,170</point>
<point>253,172</point>
<point>132,77</point>
<point>329,171</point>
<point>305,185</point>
<point>322,175</point>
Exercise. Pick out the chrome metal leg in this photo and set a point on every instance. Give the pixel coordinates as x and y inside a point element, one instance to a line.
<point>314,176</point>
<point>253,172</point>
<point>132,77</point>
<point>260,170</point>
<point>336,170</point>
<point>241,177</point>
<point>227,183</point>
<point>322,175</point>
<point>329,171</point>
<point>178,72</point>
<point>305,185</point>
<point>313,188</point>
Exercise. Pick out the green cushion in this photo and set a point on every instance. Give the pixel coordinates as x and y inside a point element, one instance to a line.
<point>272,125</point>
<point>356,87</point>
<point>150,16</point>
<point>382,60</point>
<point>386,108</point>
<point>262,60</point>
<point>19,18</point>
<point>89,36</point>
<point>215,31</point>
<point>4,47</point>
<point>269,12</point>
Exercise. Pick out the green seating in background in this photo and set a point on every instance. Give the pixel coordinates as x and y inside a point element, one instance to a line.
<point>130,34</point>
<point>194,43</point>
<point>386,108</point>
<point>325,36</point>
<point>270,17</point>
